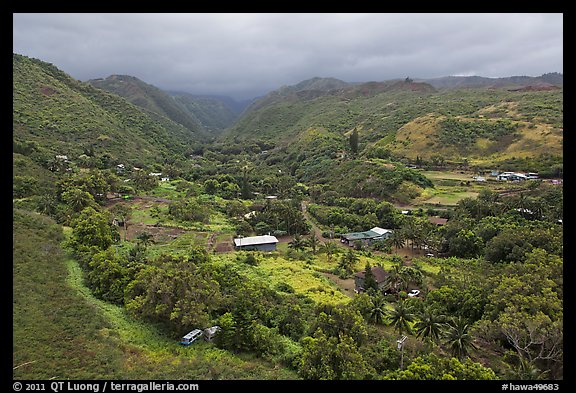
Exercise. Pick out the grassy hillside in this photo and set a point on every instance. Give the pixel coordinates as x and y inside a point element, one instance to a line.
<point>406,120</point>
<point>57,115</point>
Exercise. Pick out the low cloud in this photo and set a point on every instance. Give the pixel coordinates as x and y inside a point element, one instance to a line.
<point>245,55</point>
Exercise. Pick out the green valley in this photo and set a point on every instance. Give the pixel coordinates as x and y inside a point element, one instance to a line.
<point>397,209</point>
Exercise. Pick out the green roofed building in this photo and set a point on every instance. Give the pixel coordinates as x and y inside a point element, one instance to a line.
<point>367,237</point>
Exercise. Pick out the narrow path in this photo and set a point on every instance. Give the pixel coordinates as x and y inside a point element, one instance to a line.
<point>317,231</point>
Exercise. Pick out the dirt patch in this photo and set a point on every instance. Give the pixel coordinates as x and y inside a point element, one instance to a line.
<point>159,234</point>
<point>346,285</point>
<point>223,247</point>
<point>48,91</point>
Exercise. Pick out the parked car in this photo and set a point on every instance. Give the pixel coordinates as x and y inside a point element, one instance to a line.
<point>413,293</point>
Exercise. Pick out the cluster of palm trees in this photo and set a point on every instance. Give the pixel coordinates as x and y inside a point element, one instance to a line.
<point>452,333</point>
<point>300,243</point>
<point>419,232</point>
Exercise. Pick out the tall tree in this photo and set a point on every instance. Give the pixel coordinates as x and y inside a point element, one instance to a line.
<point>429,325</point>
<point>458,339</point>
<point>401,317</point>
<point>313,243</point>
<point>245,187</point>
<point>297,243</point>
<point>347,262</point>
<point>354,141</point>
<point>369,279</point>
<point>377,312</point>
<point>329,249</point>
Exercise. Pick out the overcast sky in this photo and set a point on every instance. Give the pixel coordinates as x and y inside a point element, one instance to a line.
<point>246,55</point>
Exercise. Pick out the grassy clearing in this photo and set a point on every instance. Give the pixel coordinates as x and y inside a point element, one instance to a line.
<point>447,198</point>
<point>303,276</point>
<point>447,175</point>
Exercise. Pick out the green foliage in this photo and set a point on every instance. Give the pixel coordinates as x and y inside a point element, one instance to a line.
<point>92,232</point>
<point>347,263</point>
<point>464,134</point>
<point>340,320</point>
<point>64,115</point>
<point>466,244</point>
<point>284,216</point>
<point>401,317</point>
<point>369,280</point>
<point>354,141</point>
<point>458,338</point>
<point>329,358</point>
<point>433,367</point>
<point>507,301</point>
<point>189,210</point>
<point>430,325</point>
<point>175,292</point>
<point>109,274</point>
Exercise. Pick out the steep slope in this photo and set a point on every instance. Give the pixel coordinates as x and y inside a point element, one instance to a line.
<point>208,115</point>
<point>214,113</point>
<point>54,114</point>
<point>151,98</point>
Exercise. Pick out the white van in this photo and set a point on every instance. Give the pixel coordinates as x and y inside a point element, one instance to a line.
<point>191,337</point>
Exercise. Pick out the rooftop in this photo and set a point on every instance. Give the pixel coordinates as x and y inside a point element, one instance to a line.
<point>370,234</point>
<point>254,240</point>
<point>379,274</point>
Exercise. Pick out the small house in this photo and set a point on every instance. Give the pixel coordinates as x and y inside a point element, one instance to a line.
<point>438,221</point>
<point>256,243</point>
<point>380,276</point>
<point>512,176</point>
<point>366,237</point>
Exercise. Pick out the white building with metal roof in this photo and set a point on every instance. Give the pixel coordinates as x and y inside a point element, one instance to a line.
<point>259,243</point>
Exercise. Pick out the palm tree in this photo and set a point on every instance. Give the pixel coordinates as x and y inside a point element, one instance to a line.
<point>313,243</point>
<point>430,325</point>
<point>329,249</point>
<point>347,262</point>
<point>297,243</point>
<point>395,278</point>
<point>458,340</point>
<point>145,238</point>
<point>398,239</point>
<point>401,316</point>
<point>377,312</point>
<point>77,199</point>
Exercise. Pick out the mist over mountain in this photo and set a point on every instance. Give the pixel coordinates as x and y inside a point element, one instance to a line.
<point>452,82</point>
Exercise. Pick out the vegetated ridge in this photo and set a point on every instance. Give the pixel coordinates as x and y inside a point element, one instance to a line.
<point>209,114</point>
<point>55,114</point>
